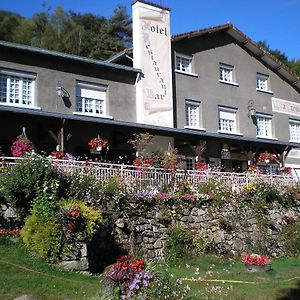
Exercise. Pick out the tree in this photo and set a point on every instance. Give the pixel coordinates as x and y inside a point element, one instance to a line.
<point>81,34</point>
<point>294,65</point>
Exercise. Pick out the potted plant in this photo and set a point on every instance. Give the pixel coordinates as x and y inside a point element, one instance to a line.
<point>98,143</point>
<point>22,145</point>
<point>256,263</point>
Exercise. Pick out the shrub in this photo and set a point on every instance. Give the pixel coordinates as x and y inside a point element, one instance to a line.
<point>43,237</point>
<point>20,185</point>
<point>80,218</point>
<point>45,203</point>
<point>214,191</point>
<point>84,187</point>
<point>291,237</point>
<point>178,244</point>
<point>267,192</point>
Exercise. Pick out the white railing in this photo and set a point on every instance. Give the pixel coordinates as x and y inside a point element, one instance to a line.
<point>145,178</point>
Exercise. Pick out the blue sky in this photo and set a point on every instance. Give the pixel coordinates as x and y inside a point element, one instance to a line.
<point>275,21</point>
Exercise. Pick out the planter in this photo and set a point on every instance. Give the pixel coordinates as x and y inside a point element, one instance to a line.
<point>255,268</point>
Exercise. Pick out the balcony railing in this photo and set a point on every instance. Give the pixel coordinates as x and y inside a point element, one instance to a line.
<point>148,178</point>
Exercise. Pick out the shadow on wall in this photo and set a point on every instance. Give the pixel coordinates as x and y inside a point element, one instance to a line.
<point>103,250</point>
<point>292,294</point>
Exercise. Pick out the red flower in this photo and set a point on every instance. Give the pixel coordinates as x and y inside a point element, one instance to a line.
<point>58,154</point>
<point>201,166</point>
<point>256,260</point>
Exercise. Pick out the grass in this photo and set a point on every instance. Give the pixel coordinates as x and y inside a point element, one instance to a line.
<point>235,282</point>
<point>21,273</point>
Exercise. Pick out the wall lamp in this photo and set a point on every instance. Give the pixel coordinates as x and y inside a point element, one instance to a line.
<point>61,91</point>
<point>251,109</point>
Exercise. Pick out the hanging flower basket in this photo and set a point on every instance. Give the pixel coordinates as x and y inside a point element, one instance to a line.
<point>22,145</point>
<point>98,144</point>
<point>266,157</point>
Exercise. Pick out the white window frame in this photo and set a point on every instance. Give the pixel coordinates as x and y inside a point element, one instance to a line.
<point>179,63</point>
<point>226,74</point>
<point>265,121</point>
<point>93,101</point>
<point>227,119</point>
<point>22,78</point>
<point>188,114</point>
<point>294,127</point>
<point>263,83</point>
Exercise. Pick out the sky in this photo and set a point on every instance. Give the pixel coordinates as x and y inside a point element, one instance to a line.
<point>273,21</point>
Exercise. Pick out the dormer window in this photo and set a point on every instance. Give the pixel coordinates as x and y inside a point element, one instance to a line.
<point>183,63</point>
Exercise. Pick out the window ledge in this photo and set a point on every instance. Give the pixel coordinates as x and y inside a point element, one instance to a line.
<point>229,132</point>
<point>265,91</point>
<point>186,73</point>
<point>194,128</point>
<point>266,138</point>
<point>229,83</point>
<point>294,141</point>
<point>20,105</point>
<point>92,115</point>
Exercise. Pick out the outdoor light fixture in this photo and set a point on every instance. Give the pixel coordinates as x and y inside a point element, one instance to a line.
<point>251,109</point>
<point>61,91</point>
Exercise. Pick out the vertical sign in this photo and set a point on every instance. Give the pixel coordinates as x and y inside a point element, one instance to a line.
<point>152,54</point>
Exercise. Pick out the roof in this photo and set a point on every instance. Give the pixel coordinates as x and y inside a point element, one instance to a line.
<point>183,132</point>
<point>251,47</point>
<point>71,57</point>
<point>243,41</point>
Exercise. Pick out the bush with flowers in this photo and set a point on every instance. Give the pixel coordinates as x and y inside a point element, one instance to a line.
<point>130,280</point>
<point>51,235</point>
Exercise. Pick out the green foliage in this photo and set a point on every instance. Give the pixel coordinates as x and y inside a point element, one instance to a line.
<point>21,184</point>
<point>80,34</point>
<point>114,186</point>
<point>267,192</point>
<point>203,243</point>
<point>43,237</point>
<point>92,218</point>
<point>45,204</point>
<point>84,187</point>
<point>216,192</point>
<point>291,236</point>
<point>178,244</point>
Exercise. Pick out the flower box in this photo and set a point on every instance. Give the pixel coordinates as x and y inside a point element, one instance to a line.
<point>255,268</point>
<point>256,263</point>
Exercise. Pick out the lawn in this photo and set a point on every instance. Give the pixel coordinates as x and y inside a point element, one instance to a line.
<point>21,273</point>
<point>209,277</point>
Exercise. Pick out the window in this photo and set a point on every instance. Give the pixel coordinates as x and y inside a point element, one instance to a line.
<point>295,131</point>
<point>183,63</point>
<point>192,111</point>
<point>90,99</point>
<point>264,126</point>
<point>226,73</point>
<point>227,120</point>
<point>262,82</point>
<point>16,88</point>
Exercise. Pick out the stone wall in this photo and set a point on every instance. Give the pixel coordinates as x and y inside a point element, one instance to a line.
<point>229,230</point>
